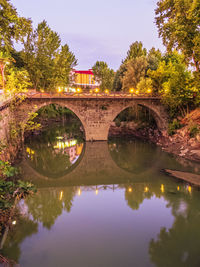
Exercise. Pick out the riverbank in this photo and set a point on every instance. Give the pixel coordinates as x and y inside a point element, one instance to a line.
<point>186,140</point>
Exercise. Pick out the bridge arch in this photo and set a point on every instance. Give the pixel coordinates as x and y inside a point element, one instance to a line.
<point>37,107</point>
<point>96,114</point>
<point>155,112</point>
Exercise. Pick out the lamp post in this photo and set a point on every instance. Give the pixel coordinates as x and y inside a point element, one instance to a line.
<point>149,91</point>
<point>96,91</point>
<point>131,91</point>
<point>106,91</point>
<point>78,90</point>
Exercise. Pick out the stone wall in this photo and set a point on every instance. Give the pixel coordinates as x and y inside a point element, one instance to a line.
<point>8,148</point>
<point>96,114</point>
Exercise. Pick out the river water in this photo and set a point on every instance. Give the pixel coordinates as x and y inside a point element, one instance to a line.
<point>103,204</point>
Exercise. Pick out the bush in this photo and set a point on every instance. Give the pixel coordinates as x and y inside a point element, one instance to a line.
<point>173,126</point>
<point>194,130</point>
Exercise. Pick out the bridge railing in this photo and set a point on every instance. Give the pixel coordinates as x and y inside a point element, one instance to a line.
<point>85,95</point>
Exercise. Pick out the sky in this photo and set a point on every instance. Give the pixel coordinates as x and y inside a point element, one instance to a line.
<point>96,30</point>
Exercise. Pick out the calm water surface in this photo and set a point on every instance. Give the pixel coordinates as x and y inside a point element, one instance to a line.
<point>104,205</point>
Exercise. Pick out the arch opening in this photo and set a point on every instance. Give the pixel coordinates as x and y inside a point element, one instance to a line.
<point>136,121</point>
<point>55,148</point>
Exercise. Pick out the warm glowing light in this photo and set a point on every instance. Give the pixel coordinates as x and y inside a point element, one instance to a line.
<point>162,188</point>
<point>61,195</point>
<point>130,190</point>
<point>137,92</point>
<point>146,189</point>
<point>131,90</point>
<point>106,91</point>
<point>189,188</point>
<point>30,151</point>
<point>149,91</point>
<point>97,191</point>
<point>96,90</point>
<point>90,91</point>
<point>178,188</point>
<point>14,222</point>
<point>59,90</point>
<point>78,90</point>
<point>59,137</point>
<point>79,192</point>
<point>63,145</point>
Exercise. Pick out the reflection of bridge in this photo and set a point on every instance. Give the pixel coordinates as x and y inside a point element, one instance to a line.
<point>96,112</point>
<point>96,168</point>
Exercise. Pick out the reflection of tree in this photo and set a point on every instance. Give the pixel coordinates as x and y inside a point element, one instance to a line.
<point>48,204</point>
<point>143,156</point>
<point>45,207</point>
<point>180,245</point>
<point>16,235</point>
<point>135,195</point>
<point>68,195</point>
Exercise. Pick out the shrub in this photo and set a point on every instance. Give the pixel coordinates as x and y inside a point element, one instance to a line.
<point>173,126</point>
<point>194,130</point>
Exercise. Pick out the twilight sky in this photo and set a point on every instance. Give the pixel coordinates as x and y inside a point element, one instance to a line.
<point>96,30</point>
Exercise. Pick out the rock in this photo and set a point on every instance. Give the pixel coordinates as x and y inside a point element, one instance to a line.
<point>196,152</point>
<point>184,151</point>
<point>198,137</point>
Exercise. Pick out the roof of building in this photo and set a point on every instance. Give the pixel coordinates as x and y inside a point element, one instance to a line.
<point>84,72</point>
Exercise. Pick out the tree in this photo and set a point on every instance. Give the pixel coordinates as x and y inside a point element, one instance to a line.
<point>104,75</point>
<point>136,50</point>
<point>135,71</point>
<point>153,58</point>
<point>178,22</point>
<point>47,62</point>
<point>144,85</point>
<point>174,82</point>
<point>17,81</point>
<point>13,27</point>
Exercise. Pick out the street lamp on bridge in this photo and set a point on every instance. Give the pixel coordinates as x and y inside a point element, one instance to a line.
<point>131,91</point>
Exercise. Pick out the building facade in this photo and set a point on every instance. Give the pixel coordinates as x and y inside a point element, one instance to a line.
<point>83,79</point>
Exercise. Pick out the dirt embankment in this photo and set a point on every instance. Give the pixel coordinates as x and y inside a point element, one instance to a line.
<point>126,129</point>
<point>186,141</point>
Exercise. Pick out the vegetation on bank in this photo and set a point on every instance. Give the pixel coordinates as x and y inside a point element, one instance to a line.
<point>11,191</point>
<point>11,188</point>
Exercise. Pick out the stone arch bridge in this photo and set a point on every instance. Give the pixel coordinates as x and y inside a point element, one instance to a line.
<point>95,112</point>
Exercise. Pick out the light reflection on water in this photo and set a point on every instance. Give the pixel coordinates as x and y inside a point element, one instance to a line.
<point>114,208</point>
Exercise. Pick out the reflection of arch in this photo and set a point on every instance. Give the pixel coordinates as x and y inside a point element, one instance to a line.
<point>96,167</point>
<point>61,173</point>
<point>141,162</point>
<point>96,114</point>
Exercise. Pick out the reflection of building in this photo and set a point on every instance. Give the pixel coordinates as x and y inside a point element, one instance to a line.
<point>70,147</point>
<point>84,79</point>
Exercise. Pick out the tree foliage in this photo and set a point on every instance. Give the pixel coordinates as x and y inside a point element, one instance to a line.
<point>135,70</point>
<point>178,24</point>
<point>104,75</point>
<point>174,82</point>
<point>13,27</point>
<point>47,62</point>
<point>136,49</point>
